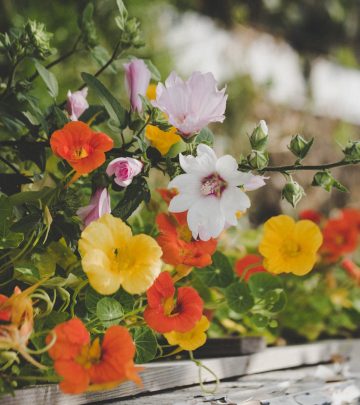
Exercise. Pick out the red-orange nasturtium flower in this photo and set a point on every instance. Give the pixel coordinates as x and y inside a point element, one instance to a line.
<point>249,265</point>
<point>165,313</point>
<point>352,215</point>
<point>340,237</point>
<point>83,148</point>
<point>176,242</point>
<point>311,215</point>
<point>90,366</point>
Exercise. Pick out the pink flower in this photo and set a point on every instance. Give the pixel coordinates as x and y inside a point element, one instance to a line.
<point>124,169</point>
<point>137,79</point>
<point>193,104</point>
<point>98,206</point>
<point>76,103</point>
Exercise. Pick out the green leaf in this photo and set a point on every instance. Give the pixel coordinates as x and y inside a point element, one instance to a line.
<point>260,321</point>
<point>26,272</point>
<point>123,15</point>
<point>115,110</point>
<point>146,344</point>
<point>126,300</point>
<point>137,192</point>
<point>91,299</point>
<point>87,26</point>
<point>48,78</point>
<point>239,297</point>
<point>155,74</point>
<point>8,239</point>
<point>109,311</point>
<point>261,283</point>
<point>275,300</point>
<point>205,136</point>
<point>218,274</point>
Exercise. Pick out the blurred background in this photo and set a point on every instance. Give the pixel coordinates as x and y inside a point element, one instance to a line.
<point>294,63</point>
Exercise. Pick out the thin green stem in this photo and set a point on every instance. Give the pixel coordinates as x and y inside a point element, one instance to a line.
<point>15,169</point>
<point>290,168</point>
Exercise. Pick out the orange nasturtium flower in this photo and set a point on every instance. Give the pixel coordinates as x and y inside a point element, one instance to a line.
<point>249,265</point>
<point>289,246</point>
<point>340,237</point>
<point>165,313</point>
<point>91,366</point>
<point>83,148</point>
<point>176,242</point>
<point>17,319</point>
<point>191,340</point>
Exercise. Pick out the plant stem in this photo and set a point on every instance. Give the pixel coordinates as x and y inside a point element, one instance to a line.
<point>58,60</point>
<point>98,73</point>
<point>290,168</point>
<point>10,165</point>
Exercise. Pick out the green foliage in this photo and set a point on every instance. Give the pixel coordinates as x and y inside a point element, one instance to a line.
<point>205,136</point>
<point>8,238</point>
<point>48,78</point>
<point>238,297</point>
<point>292,192</point>
<point>218,274</point>
<point>109,311</point>
<point>134,195</point>
<point>116,112</point>
<point>145,343</point>
<point>299,146</point>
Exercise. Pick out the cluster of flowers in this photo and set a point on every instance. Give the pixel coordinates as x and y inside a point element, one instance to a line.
<point>206,199</point>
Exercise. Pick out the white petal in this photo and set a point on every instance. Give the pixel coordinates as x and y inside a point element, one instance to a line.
<point>186,183</point>
<point>181,202</point>
<point>254,182</point>
<point>226,166</point>
<point>233,200</point>
<point>205,219</point>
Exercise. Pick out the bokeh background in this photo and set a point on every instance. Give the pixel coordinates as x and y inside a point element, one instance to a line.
<point>294,63</point>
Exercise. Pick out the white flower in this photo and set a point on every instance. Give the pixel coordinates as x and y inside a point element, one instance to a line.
<point>209,191</point>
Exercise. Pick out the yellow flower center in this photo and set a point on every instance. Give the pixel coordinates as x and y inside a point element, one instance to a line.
<point>169,305</point>
<point>290,248</point>
<point>80,153</point>
<point>90,354</point>
<point>184,233</point>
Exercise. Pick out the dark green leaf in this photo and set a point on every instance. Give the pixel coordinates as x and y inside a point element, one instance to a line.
<point>239,297</point>
<point>8,239</point>
<point>48,78</point>
<point>146,344</point>
<point>11,183</point>
<point>219,273</point>
<point>134,195</point>
<point>261,283</point>
<point>275,300</point>
<point>91,299</point>
<point>116,112</point>
<point>260,321</point>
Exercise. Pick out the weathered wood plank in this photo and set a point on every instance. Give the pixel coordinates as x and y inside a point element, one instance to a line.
<point>160,376</point>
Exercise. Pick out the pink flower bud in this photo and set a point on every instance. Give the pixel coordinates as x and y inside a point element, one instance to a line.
<point>124,169</point>
<point>76,103</point>
<point>137,79</point>
<point>98,206</point>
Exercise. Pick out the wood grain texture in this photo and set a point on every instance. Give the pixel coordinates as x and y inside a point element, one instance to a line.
<point>171,375</point>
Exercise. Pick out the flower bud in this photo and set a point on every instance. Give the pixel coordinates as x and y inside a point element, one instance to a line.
<point>258,160</point>
<point>326,180</point>
<point>76,103</point>
<point>124,169</point>
<point>300,146</point>
<point>137,79</point>
<point>352,151</point>
<point>259,137</point>
<point>292,193</point>
<point>98,206</point>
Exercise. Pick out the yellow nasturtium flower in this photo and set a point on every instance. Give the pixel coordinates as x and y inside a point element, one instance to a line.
<point>113,257</point>
<point>162,140</point>
<point>192,339</point>
<point>151,92</point>
<point>289,246</point>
